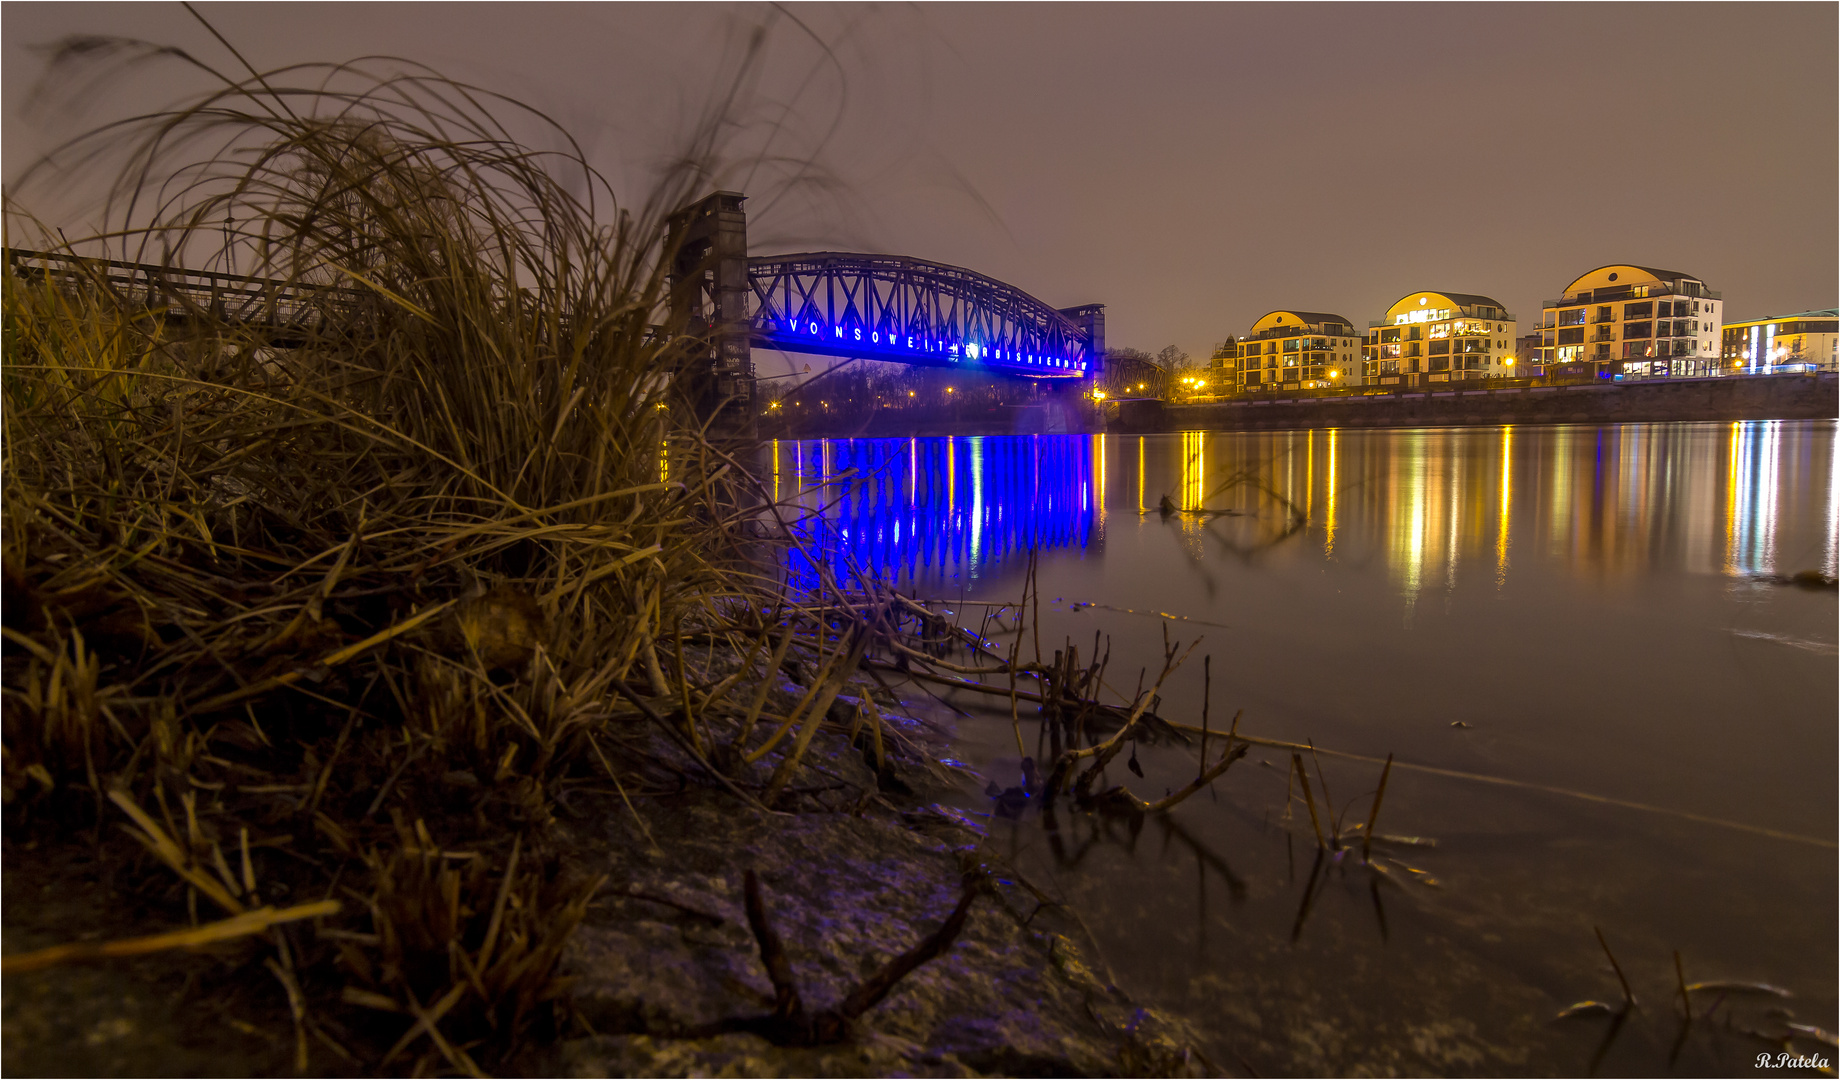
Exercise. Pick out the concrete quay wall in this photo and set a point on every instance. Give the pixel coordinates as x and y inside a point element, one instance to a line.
<point>1767,397</point>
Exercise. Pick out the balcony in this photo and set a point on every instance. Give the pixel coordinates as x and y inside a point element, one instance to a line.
<point>1313,330</point>
<point>1634,292</point>
<point>1500,316</point>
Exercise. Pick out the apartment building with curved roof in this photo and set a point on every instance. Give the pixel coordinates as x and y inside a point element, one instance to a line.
<point>1431,337</point>
<point>1634,322</point>
<point>1297,350</point>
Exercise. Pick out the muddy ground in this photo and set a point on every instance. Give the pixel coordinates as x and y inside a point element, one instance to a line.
<point>863,870</point>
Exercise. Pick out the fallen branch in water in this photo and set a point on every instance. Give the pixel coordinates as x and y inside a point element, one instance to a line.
<point>1105,751</point>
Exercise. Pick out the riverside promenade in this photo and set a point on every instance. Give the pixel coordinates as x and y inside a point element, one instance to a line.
<point>1759,397</point>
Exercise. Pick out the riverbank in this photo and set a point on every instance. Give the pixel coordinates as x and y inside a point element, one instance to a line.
<point>1773,397</point>
<point>864,868</point>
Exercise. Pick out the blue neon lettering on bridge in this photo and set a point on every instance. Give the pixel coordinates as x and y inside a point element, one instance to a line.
<point>892,341</point>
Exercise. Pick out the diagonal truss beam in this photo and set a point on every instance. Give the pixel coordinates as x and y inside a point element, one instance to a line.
<point>885,307</point>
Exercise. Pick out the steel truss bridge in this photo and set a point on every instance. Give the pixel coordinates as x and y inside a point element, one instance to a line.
<point>831,303</point>
<point>875,307</point>
<point>886,307</point>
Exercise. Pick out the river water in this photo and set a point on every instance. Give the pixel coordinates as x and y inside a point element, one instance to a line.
<point>1586,628</point>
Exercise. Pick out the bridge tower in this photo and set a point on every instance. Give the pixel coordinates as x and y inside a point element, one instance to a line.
<point>707,244</point>
<point>1091,319</point>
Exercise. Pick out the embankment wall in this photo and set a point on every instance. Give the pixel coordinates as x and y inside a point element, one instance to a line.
<point>1771,397</point>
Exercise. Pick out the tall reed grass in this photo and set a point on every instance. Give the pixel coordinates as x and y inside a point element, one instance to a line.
<point>364,582</point>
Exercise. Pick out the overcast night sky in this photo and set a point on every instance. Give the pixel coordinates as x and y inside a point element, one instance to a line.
<point>1189,166</point>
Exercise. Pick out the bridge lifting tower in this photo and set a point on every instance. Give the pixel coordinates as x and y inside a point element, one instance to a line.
<point>707,242</point>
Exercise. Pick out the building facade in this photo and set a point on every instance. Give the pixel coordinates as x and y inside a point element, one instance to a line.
<point>1805,341</point>
<point>1634,322</point>
<point>1436,337</point>
<point>1297,350</point>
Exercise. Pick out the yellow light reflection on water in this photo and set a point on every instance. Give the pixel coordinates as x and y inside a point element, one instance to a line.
<point>1194,456</point>
<point>1192,490</point>
<point>1507,498</point>
<point>1453,494</point>
<point>1831,564</point>
<point>1329,494</point>
<point>1309,470</point>
<point>1408,493</point>
<point>1733,451</point>
<point>1099,471</point>
<point>1559,518</point>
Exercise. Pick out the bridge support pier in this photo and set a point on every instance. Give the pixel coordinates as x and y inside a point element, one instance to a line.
<point>707,242</point>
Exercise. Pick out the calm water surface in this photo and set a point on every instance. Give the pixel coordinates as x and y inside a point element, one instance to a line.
<point>1588,612</point>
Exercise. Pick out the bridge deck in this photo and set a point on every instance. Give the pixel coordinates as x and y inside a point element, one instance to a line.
<point>176,291</point>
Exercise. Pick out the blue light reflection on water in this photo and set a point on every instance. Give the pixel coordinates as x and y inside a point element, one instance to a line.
<point>904,510</point>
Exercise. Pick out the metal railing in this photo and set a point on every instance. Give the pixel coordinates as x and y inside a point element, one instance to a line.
<point>176,291</point>
<point>1614,293</point>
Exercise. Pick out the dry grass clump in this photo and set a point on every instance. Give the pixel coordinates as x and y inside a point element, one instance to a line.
<point>298,578</point>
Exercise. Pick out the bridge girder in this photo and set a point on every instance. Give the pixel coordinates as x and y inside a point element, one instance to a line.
<point>912,311</point>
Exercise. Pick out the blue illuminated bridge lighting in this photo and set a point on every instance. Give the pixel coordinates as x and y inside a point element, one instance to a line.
<point>911,311</point>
